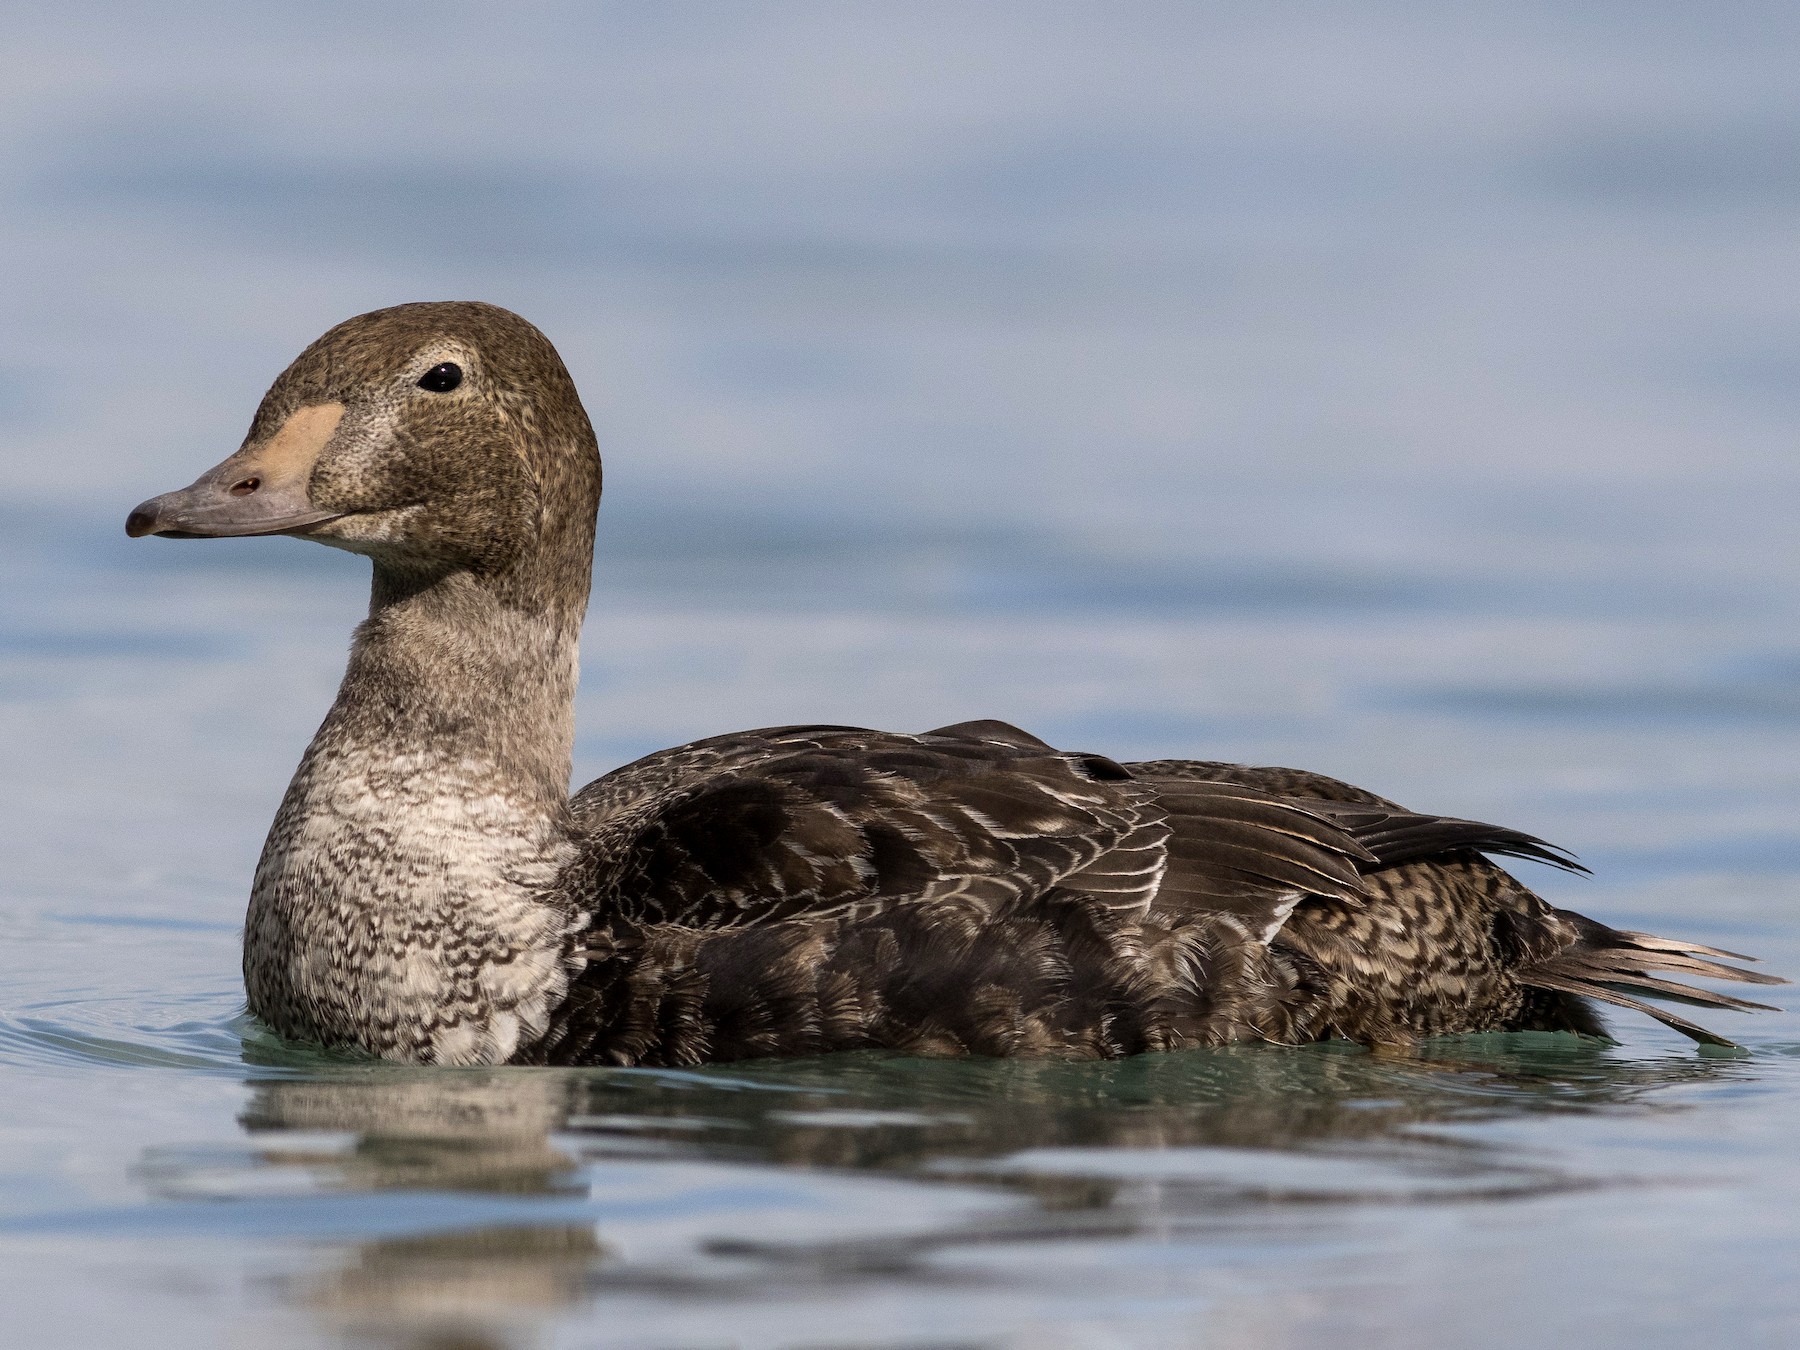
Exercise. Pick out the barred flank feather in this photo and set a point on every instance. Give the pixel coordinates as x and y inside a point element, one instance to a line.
<point>1444,941</point>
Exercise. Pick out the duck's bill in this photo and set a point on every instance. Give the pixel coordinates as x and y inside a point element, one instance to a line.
<point>259,490</point>
<point>208,510</point>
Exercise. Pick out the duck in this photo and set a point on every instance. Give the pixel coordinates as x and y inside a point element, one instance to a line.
<point>431,892</point>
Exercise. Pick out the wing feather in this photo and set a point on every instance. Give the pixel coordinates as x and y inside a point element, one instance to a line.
<point>816,822</point>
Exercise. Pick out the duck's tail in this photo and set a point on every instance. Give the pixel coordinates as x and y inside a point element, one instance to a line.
<point>1614,966</point>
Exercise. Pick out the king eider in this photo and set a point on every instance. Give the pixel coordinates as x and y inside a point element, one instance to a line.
<point>431,892</point>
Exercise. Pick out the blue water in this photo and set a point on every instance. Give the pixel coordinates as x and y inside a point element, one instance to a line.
<point>1409,394</point>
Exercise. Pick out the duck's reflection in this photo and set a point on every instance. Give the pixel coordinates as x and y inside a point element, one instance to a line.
<point>442,1135</point>
<point>490,1170</point>
<point>452,1130</point>
<point>480,1288</point>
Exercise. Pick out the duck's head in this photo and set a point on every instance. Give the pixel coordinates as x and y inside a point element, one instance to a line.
<point>435,438</point>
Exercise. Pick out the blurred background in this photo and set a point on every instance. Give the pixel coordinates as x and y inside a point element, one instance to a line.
<point>1407,392</point>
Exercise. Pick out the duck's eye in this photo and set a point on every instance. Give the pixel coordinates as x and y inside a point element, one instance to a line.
<point>441,379</point>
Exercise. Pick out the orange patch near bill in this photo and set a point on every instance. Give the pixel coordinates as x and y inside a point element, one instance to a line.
<point>292,451</point>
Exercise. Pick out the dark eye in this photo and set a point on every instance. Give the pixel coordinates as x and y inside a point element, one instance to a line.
<point>441,379</point>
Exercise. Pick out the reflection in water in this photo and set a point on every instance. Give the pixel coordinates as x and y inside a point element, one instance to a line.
<point>615,1184</point>
<point>485,1133</point>
<point>454,1290</point>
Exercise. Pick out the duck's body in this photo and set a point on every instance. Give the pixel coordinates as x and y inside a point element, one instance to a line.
<point>429,892</point>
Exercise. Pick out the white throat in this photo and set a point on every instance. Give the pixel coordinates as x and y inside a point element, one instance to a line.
<point>406,900</point>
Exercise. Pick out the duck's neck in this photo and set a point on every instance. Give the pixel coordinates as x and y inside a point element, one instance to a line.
<point>449,669</point>
<point>405,902</point>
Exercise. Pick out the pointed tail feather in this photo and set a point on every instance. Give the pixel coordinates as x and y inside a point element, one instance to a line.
<point>1612,966</point>
<point>1651,942</point>
<point>1692,1030</point>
